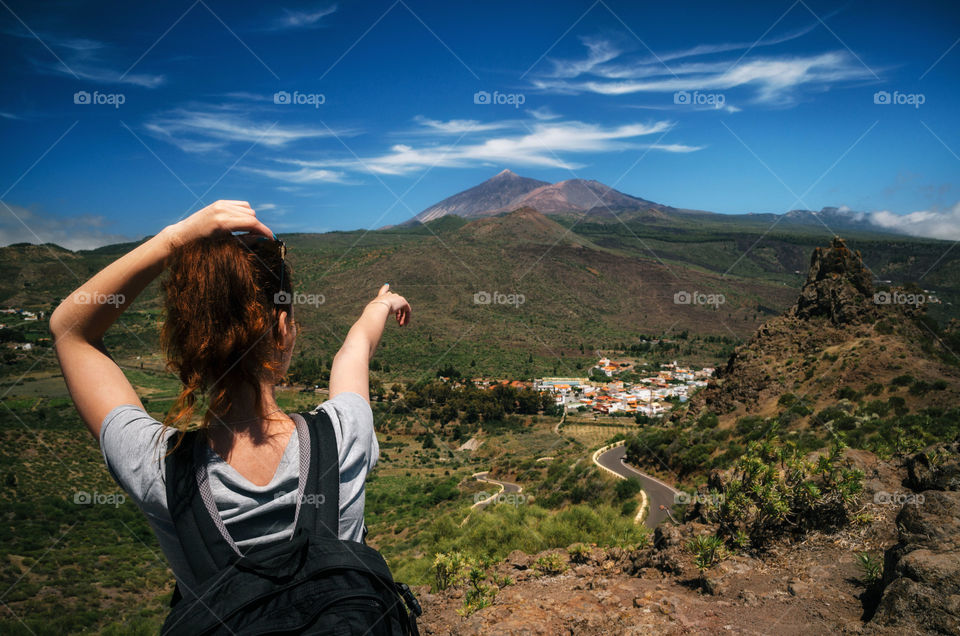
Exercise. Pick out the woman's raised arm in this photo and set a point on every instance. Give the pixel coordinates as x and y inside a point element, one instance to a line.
<point>96,384</point>
<point>350,370</point>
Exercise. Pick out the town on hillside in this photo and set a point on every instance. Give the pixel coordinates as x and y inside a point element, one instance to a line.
<point>646,392</point>
<point>650,393</point>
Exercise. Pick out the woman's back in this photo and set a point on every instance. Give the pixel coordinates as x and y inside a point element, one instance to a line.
<point>253,514</point>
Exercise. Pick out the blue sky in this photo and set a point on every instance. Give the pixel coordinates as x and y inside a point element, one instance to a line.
<point>120,118</point>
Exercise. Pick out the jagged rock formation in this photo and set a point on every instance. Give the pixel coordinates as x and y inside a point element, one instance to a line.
<point>836,334</point>
<point>838,287</point>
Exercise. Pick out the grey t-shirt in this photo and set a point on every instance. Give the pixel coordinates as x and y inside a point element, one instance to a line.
<point>133,444</point>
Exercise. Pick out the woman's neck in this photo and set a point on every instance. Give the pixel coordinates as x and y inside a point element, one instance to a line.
<point>243,421</point>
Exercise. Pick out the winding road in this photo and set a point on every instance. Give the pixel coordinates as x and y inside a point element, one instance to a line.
<point>659,493</point>
<point>506,488</point>
<point>658,497</point>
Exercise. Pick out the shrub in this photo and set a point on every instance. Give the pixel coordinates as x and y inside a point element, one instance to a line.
<point>627,488</point>
<point>550,563</point>
<point>848,393</point>
<point>708,550</point>
<point>902,380</point>
<point>787,400</point>
<point>898,404</point>
<point>579,552</point>
<point>919,387</point>
<point>449,569</point>
<point>773,491</point>
<point>876,407</point>
<point>709,419</point>
<point>479,594</point>
<point>871,566</point>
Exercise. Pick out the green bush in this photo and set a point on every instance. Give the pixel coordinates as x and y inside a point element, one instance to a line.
<point>919,387</point>
<point>773,491</point>
<point>627,488</point>
<point>449,569</point>
<point>579,552</point>
<point>708,550</point>
<point>902,380</point>
<point>550,564</point>
<point>848,393</point>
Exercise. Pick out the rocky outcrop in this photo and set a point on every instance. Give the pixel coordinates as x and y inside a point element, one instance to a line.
<point>837,296</point>
<point>936,468</point>
<point>835,313</point>
<point>838,287</point>
<point>922,571</point>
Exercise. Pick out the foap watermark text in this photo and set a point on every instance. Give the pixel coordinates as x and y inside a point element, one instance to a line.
<point>499,99</point>
<point>498,298</point>
<point>96,98</point>
<point>698,298</point>
<point>297,98</point>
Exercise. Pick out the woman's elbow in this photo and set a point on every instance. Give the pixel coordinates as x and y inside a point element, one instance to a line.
<point>57,325</point>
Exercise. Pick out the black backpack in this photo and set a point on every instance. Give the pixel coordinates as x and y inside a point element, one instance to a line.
<point>315,583</point>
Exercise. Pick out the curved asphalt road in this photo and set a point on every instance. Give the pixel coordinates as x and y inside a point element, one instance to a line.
<point>659,493</point>
<point>506,488</point>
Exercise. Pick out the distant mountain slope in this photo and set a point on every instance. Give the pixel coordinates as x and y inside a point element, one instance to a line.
<point>496,193</point>
<point>507,191</point>
<point>579,195</point>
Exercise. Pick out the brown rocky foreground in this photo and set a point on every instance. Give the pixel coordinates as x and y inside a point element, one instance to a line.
<point>806,587</point>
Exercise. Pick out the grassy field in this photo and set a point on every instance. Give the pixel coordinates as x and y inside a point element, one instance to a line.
<point>593,435</point>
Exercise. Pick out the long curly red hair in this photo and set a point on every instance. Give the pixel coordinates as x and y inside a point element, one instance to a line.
<point>222,300</point>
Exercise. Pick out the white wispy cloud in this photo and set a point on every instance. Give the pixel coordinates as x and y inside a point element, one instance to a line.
<point>599,51</point>
<point>200,131</point>
<point>542,144</point>
<point>23,225</point>
<point>302,19</point>
<point>713,49</point>
<point>543,113</point>
<point>940,224</point>
<point>458,126</point>
<point>84,59</point>
<point>608,69</point>
<point>305,175</point>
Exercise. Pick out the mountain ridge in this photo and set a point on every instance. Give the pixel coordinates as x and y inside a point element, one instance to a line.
<point>507,191</point>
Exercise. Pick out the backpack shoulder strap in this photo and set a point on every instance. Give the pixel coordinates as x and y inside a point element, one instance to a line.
<point>202,543</point>
<point>320,506</point>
